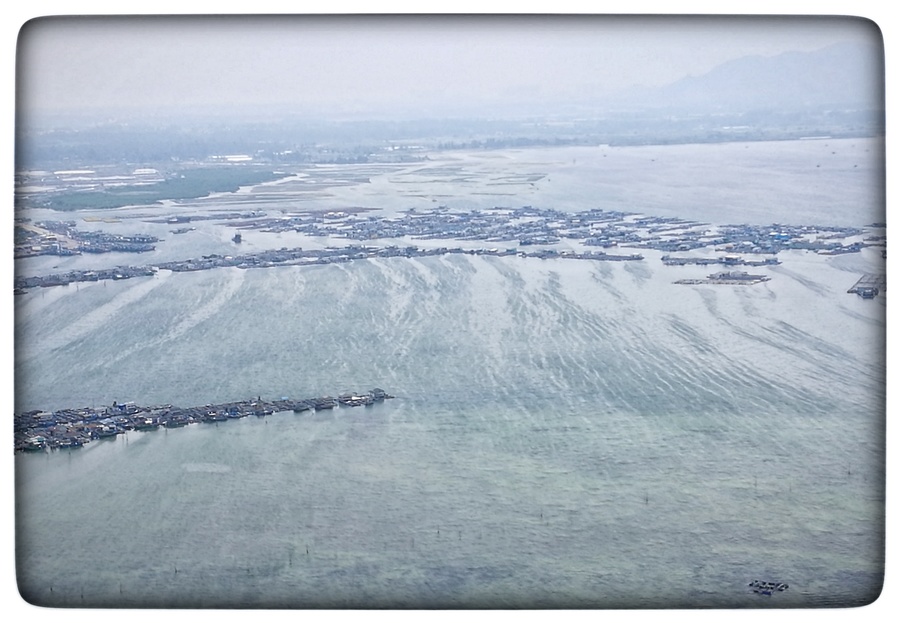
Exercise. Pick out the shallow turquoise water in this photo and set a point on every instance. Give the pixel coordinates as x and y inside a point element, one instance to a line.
<point>565,434</point>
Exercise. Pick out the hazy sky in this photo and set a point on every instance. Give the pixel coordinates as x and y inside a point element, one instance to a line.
<point>373,63</point>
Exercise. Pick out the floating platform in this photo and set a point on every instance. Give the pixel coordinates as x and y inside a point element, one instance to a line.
<point>767,588</point>
<point>870,285</point>
<point>37,431</point>
<point>730,278</point>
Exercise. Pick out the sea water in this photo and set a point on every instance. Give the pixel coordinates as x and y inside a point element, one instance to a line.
<point>564,434</point>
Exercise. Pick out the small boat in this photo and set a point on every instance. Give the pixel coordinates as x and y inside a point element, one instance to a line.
<point>147,424</point>
<point>106,431</point>
<point>325,402</point>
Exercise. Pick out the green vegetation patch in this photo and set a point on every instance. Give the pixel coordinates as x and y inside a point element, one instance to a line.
<point>184,184</point>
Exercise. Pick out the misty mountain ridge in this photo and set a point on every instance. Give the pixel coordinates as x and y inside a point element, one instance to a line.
<point>843,75</point>
<point>836,91</point>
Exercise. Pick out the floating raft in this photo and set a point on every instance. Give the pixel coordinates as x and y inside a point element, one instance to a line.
<point>870,285</point>
<point>767,588</point>
<point>728,278</point>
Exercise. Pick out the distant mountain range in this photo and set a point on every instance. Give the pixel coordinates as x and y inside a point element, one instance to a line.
<point>836,91</point>
<point>841,76</point>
